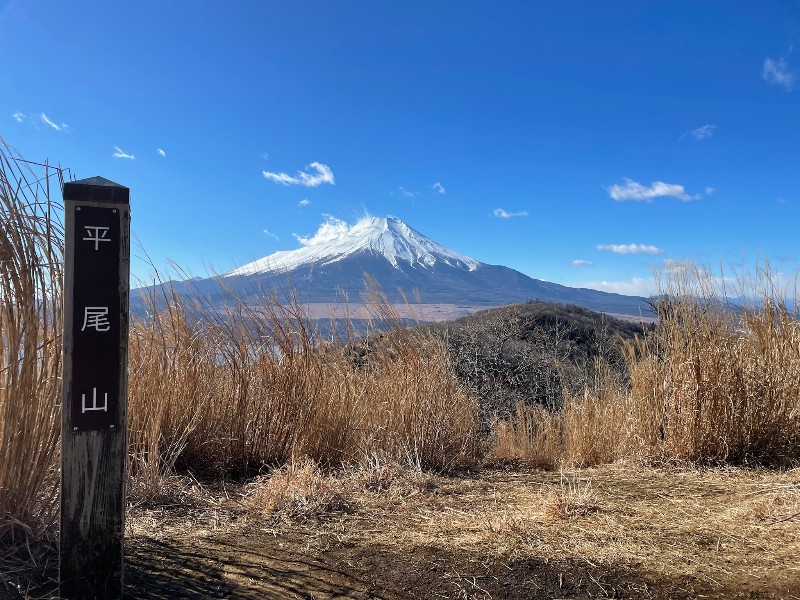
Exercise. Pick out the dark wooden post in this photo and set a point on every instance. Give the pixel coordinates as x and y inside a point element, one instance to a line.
<point>95,388</point>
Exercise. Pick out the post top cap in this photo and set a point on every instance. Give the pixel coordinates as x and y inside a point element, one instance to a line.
<point>96,189</point>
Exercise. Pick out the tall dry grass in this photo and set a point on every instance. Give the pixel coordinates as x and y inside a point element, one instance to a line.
<point>251,387</point>
<point>31,254</point>
<point>720,382</point>
<point>714,382</point>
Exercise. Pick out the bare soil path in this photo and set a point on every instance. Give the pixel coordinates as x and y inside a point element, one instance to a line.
<point>618,531</point>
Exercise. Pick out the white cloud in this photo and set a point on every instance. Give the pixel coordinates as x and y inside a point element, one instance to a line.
<point>18,117</point>
<point>405,193</point>
<point>701,133</point>
<point>63,128</point>
<point>118,153</point>
<point>331,229</point>
<point>265,155</point>
<point>581,263</point>
<point>504,214</point>
<point>671,266</point>
<point>320,174</point>
<point>776,72</point>
<point>438,187</point>
<point>630,248</point>
<point>271,235</point>
<point>709,190</point>
<point>161,153</point>
<point>304,202</point>
<point>635,286</point>
<point>633,190</point>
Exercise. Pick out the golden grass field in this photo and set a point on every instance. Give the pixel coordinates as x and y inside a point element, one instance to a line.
<point>263,463</point>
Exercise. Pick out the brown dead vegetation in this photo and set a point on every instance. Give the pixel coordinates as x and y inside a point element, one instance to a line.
<point>620,531</point>
<point>348,451</point>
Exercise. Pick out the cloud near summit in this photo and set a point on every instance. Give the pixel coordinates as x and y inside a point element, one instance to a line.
<point>314,174</point>
<point>331,229</point>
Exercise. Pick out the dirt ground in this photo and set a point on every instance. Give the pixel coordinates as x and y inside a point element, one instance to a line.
<point>618,531</point>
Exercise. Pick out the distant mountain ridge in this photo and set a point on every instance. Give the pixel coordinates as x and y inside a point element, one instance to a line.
<point>335,264</point>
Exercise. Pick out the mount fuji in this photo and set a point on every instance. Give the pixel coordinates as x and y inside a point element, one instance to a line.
<point>336,264</point>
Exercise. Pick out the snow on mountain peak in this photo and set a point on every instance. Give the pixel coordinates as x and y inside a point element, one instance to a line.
<point>381,236</point>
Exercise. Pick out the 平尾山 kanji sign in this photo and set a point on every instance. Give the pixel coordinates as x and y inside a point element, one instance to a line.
<point>96,319</point>
<point>95,383</point>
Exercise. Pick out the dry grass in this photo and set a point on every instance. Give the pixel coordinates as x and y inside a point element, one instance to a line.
<point>572,499</point>
<point>711,384</point>
<point>252,389</point>
<point>718,386</point>
<point>622,529</point>
<point>297,490</point>
<point>362,423</point>
<point>619,530</point>
<point>30,350</point>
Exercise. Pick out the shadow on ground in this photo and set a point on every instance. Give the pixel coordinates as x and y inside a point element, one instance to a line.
<point>205,568</point>
<point>224,569</point>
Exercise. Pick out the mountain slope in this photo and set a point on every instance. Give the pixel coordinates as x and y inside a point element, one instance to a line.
<point>334,264</point>
<point>388,237</point>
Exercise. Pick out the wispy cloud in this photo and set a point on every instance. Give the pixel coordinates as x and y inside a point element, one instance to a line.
<point>505,214</point>
<point>270,235</point>
<point>633,190</point>
<point>635,286</point>
<point>331,229</point>
<point>119,153</point>
<point>630,248</point>
<point>438,187</point>
<point>709,190</point>
<point>304,202</point>
<point>406,193</point>
<point>18,117</point>
<point>671,266</point>
<point>701,133</point>
<point>581,263</point>
<point>161,152</point>
<point>314,175</point>
<point>777,72</point>
<point>63,128</point>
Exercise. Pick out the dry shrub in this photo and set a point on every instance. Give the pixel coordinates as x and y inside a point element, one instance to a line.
<point>303,489</point>
<point>298,490</point>
<point>387,478</point>
<point>571,499</point>
<point>31,250</point>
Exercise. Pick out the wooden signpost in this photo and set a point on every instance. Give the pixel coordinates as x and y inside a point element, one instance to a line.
<point>95,388</point>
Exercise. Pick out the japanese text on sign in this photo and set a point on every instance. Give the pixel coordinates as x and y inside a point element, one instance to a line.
<point>96,319</point>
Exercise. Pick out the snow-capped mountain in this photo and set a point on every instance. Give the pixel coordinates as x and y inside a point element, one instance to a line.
<point>388,237</point>
<point>336,263</point>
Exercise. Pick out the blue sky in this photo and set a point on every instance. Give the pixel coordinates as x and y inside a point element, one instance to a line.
<point>578,142</point>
